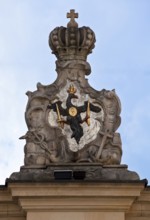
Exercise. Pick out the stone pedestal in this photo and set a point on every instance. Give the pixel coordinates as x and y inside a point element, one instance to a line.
<point>75,200</point>
<point>93,172</point>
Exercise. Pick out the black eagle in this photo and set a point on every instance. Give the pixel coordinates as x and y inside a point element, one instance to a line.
<point>74,121</point>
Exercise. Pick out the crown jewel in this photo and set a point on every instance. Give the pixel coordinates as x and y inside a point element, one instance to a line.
<point>72,43</point>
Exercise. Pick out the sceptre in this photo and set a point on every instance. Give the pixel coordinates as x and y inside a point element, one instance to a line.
<point>60,121</point>
<point>88,113</point>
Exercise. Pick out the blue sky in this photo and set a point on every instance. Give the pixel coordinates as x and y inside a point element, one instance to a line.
<point>120,60</point>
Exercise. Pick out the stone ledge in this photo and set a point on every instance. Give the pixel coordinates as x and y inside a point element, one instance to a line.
<point>76,196</point>
<point>93,172</point>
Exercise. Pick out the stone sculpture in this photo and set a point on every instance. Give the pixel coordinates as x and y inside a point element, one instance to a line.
<point>69,121</point>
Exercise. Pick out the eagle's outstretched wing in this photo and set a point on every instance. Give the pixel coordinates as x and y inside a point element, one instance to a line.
<point>93,108</point>
<point>53,106</point>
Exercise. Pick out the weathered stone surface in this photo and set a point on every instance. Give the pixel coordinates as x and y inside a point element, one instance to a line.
<point>48,143</point>
<point>69,121</point>
<point>94,172</point>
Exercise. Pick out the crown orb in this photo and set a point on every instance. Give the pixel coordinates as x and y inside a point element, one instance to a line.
<point>89,36</point>
<point>72,42</point>
<point>55,37</point>
<point>72,35</point>
<point>88,42</point>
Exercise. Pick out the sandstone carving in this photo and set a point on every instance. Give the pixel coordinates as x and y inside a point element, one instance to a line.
<point>69,121</point>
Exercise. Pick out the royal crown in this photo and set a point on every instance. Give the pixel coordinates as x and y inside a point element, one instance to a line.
<point>72,43</point>
<point>72,89</point>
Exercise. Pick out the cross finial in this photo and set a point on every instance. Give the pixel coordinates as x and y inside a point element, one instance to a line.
<point>72,15</point>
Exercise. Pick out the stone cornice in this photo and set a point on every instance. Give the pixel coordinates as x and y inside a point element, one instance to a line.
<point>86,196</point>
